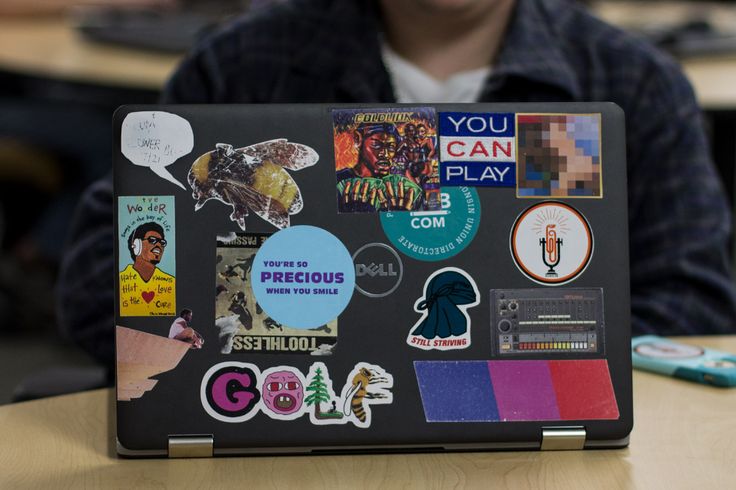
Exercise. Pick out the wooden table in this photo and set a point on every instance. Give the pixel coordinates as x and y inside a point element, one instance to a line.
<point>49,47</point>
<point>684,437</point>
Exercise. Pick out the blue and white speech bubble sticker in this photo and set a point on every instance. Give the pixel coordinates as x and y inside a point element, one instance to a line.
<point>303,276</point>
<point>156,139</point>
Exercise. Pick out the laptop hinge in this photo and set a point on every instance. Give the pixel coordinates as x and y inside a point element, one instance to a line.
<point>191,446</point>
<point>562,438</point>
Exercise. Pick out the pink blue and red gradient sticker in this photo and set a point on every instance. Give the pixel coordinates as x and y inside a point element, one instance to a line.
<point>516,391</point>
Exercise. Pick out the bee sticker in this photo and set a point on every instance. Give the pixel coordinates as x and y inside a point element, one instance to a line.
<point>252,178</point>
<point>367,385</point>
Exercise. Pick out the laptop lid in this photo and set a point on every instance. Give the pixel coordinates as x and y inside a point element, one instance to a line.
<point>301,278</point>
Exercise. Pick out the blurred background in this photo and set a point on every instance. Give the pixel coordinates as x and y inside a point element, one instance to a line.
<point>66,65</point>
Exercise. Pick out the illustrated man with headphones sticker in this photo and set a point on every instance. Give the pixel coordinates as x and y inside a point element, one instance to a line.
<point>146,290</point>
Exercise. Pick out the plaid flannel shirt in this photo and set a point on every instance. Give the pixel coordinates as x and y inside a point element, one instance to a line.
<point>329,51</point>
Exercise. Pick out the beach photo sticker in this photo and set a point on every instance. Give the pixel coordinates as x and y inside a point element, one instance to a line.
<point>386,159</point>
<point>559,155</point>
<point>243,325</point>
<point>146,256</point>
<point>551,243</point>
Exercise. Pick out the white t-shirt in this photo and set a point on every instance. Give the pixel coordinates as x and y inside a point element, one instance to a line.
<point>414,85</point>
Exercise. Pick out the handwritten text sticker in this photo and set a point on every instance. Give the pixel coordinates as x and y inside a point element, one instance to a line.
<point>156,139</point>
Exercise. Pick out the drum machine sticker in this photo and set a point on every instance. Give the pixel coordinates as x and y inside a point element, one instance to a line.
<point>242,323</point>
<point>559,155</point>
<point>385,159</point>
<point>551,243</point>
<point>445,323</point>
<point>516,391</point>
<point>252,178</point>
<point>303,276</point>
<point>436,235</point>
<point>378,270</point>
<point>477,149</point>
<point>146,256</point>
<point>235,392</point>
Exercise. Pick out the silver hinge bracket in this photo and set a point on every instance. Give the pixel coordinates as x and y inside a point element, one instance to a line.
<point>191,446</point>
<point>562,438</point>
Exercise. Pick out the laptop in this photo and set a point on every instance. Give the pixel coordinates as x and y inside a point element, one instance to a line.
<point>301,279</point>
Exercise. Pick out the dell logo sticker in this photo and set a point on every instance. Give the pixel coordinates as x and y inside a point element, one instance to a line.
<point>378,270</point>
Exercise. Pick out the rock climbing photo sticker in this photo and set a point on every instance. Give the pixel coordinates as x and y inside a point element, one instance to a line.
<point>242,324</point>
<point>551,243</point>
<point>146,256</point>
<point>444,323</point>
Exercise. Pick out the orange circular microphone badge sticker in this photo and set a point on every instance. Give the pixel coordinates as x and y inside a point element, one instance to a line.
<point>551,243</point>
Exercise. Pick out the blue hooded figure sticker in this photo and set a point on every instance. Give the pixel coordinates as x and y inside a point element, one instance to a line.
<point>445,323</point>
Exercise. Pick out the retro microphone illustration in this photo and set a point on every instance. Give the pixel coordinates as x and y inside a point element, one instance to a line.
<point>551,248</point>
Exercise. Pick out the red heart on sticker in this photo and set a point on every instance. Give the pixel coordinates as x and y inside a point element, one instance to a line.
<point>148,296</point>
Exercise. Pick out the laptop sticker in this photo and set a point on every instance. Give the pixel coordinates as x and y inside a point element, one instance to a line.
<point>321,400</point>
<point>229,391</point>
<point>506,391</point>
<point>386,159</point>
<point>146,256</point>
<point>551,243</point>
<point>557,321</point>
<point>156,139</point>
<point>242,324</point>
<point>283,392</point>
<point>235,392</point>
<point>477,149</point>
<point>436,235</point>
<point>253,178</point>
<point>142,356</point>
<point>444,323</point>
<point>378,270</point>
<point>559,155</point>
<point>303,276</point>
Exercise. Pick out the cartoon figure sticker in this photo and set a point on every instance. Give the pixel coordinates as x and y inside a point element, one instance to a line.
<point>385,159</point>
<point>252,178</point>
<point>436,235</point>
<point>242,323</point>
<point>235,392</point>
<point>283,392</point>
<point>477,149</point>
<point>303,277</point>
<point>559,155</point>
<point>551,243</point>
<point>147,255</point>
<point>156,139</point>
<point>445,323</point>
